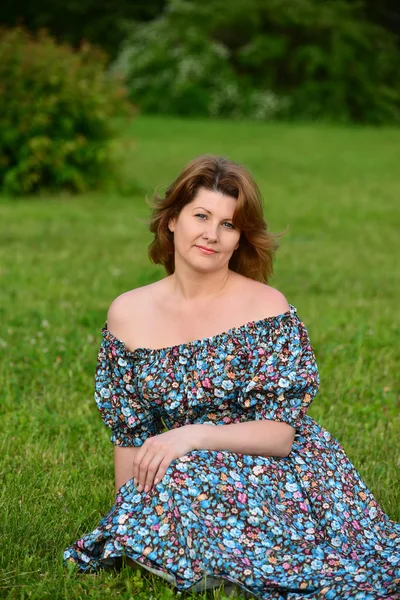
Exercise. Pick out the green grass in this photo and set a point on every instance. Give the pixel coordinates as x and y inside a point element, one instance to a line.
<point>64,259</point>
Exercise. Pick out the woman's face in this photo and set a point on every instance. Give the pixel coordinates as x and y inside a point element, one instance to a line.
<point>206,222</point>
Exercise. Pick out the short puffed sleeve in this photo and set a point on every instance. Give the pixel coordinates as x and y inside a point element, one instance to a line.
<point>282,377</point>
<point>131,420</point>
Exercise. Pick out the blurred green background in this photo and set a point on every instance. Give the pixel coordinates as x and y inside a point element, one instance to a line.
<point>304,95</point>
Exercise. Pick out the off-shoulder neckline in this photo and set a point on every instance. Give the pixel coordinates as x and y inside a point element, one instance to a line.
<point>239,328</point>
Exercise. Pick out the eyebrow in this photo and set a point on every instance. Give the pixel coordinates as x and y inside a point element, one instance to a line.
<point>202,207</point>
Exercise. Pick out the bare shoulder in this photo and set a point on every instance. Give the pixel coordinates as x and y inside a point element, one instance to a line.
<point>266,300</point>
<point>130,308</point>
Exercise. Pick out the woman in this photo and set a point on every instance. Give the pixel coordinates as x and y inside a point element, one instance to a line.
<point>205,378</point>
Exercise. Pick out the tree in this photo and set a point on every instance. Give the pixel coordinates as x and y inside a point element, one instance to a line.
<point>101,23</point>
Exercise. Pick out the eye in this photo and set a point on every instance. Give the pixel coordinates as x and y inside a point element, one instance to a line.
<point>231,226</point>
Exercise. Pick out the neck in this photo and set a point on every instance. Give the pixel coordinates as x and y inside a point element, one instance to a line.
<point>192,286</point>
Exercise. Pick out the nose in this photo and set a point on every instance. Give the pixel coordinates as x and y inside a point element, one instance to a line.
<point>210,233</point>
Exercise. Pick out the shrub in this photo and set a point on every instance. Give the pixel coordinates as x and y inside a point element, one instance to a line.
<point>56,114</point>
<point>178,70</point>
<point>264,59</point>
<point>324,56</point>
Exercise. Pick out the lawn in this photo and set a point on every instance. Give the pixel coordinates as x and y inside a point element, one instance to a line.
<point>64,259</point>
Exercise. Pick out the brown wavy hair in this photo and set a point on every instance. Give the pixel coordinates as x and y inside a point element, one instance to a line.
<point>255,255</point>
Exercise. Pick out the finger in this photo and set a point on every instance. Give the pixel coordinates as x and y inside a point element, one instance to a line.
<point>143,467</point>
<point>137,461</point>
<point>142,472</point>
<point>151,471</point>
<point>162,469</point>
<point>135,464</point>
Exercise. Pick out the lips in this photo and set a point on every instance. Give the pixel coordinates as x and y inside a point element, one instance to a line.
<point>207,250</point>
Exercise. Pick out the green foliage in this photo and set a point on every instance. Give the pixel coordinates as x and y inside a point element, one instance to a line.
<point>326,57</point>
<point>171,69</point>
<point>56,110</point>
<point>100,23</point>
<point>264,59</point>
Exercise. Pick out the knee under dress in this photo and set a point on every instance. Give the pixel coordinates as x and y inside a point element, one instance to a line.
<point>303,526</point>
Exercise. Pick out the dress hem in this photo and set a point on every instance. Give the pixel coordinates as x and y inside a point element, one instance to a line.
<point>206,582</point>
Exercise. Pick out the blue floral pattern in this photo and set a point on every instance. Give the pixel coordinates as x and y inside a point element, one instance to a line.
<point>284,528</point>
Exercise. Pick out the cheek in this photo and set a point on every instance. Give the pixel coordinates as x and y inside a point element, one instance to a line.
<point>187,235</point>
<point>231,241</point>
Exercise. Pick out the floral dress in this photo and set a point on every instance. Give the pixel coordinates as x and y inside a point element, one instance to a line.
<point>285,528</point>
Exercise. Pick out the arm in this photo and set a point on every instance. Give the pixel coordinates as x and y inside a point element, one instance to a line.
<point>118,402</point>
<point>279,385</point>
<point>123,464</point>
<point>259,438</point>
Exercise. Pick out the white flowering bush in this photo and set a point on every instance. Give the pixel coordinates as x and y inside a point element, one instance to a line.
<point>171,69</point>
<point>264,59</point>
<point>264,105</point>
